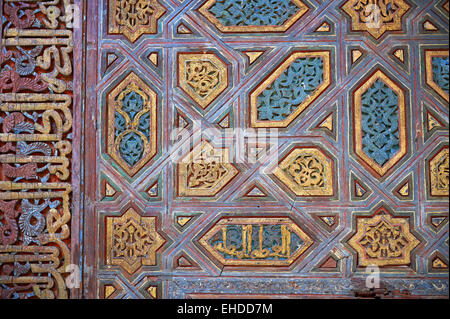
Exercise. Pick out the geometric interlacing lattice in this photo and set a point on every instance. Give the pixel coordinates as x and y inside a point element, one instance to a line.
<point>214,148</point>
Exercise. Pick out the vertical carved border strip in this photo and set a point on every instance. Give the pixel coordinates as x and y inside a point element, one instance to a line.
<point>1,26</point>
<point>40,98</point>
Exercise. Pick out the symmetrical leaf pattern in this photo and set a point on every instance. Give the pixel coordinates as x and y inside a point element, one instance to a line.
<point>380,122</point>
<point>440,72</point>
<point>130,140</point>
<point>253,12</point>
<point>288,91</point>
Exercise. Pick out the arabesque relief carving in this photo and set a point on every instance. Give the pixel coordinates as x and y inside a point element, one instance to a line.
<point>35,149</point>
<point>133,18</point>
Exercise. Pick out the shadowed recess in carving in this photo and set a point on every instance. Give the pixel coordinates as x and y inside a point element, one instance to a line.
<point>307,171</point>
<point>131,148</point>
<point>376,16</point>
<point>269,242</point>
<point>291,89</point>
<point>383,240</point>
<point>380,122</point>
<point>133,18</point>
<point>439,173</point>
<point>253,12</point>
<point>202,77</point>
<point>131,143</point>
<point>440,72</point>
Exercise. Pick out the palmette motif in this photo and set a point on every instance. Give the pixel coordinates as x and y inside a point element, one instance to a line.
<point>246,13</point>
<point>380,122</point>
<point>290,89</point>
<point>205,171</point>
<point>132,124</point>
<point>202,76</point>
<point>298,82</point>
<point>132,241</point>
<point>256,241</point>
<point>307,171</point>
<point>376,16</point>
<point>441,72</point>
<point>383,240</point>
<point>132,118</point>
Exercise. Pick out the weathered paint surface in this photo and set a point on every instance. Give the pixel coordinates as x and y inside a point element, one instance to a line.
<point>113,170</point>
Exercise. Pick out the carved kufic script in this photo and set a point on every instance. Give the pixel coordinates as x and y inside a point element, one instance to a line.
<point>239,16</point>
<point>256,241</point>
<point>281,251</point>
<point>35,148</point>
